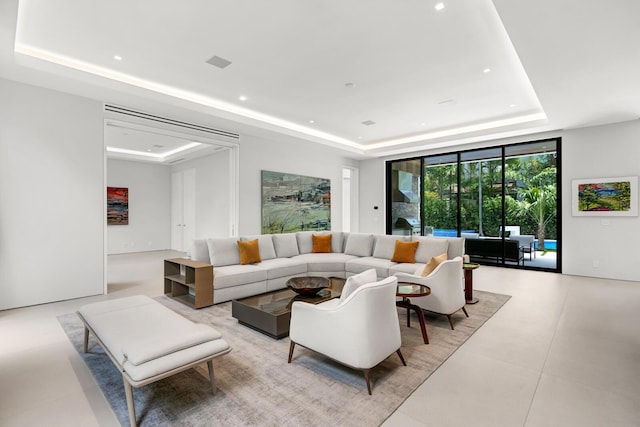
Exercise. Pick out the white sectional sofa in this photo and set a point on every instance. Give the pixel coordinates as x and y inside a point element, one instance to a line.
<point>291,255</point>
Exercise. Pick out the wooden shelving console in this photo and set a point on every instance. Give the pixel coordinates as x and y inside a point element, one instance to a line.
<point>190,282</point>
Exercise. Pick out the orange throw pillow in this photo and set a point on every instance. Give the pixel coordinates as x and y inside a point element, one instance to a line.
<point>433,263</point>
<point>405,252</point>
<point>321,243</point>
<point>249,252</point>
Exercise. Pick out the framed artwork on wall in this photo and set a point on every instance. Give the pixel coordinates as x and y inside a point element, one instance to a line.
<point>605,196</point>
<point>117,206</point>
<point>293,203</point>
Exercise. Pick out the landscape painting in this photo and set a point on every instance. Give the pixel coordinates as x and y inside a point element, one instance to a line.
<point>605,196</point>
<point>293,203</point>
<point>117,206</point>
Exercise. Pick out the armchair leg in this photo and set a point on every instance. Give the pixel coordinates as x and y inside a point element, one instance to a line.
<point>366,379</point>
<point>464,310</point>
<point>291,346</point>
<point>450,321</point>
<point>401,357</point>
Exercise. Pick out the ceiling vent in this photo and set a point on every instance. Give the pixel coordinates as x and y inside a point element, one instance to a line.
<point>368,123</point>
<point>219,62</point>
<point>159,119</point>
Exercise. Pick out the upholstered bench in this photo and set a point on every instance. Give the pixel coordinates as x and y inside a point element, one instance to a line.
<point>147,341</point>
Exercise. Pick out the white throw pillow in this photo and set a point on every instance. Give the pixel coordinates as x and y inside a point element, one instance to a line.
<point>286,245</point>
<point>430,247</point>
<point>355,281</point>
<point>359,244</point>
<point>223,251</point>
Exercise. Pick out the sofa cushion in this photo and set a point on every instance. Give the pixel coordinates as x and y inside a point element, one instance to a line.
<point>285,245</point>
<point>405,252</point>
<point>321,243</point>
<point>405,267</point>
<point>433,263</point>
<point>283,267</point>
<point>223,251</point>
<point>430,247</point>
<point>249,252</point>
<point>200,251</point>
<point>354,282</point>
<point>385,245</point>
<point>325,262</point>
<point>359,244</point>
<point>358,265</point>
<point>265,241</point>
<point>305,242</point>
<point>235,275</point>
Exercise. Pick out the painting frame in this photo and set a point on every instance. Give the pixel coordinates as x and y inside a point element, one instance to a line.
<point>117,206</point>
<point>292,202</point>
<point>598,197</point>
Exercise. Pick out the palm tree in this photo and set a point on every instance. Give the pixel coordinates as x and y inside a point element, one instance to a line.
<point>538,203</point>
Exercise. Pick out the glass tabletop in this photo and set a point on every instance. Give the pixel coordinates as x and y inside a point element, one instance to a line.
<point>406,289</point>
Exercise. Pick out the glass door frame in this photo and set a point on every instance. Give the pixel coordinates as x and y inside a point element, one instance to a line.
<point>503,151</point>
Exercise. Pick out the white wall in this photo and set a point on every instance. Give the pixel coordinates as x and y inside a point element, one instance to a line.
<point>149,226</point>
<point>372,194</point>
<point>213,194</point>
<point>600,152</point>
<point>289,156</point>
<point>594,152</point>
<point>52,186</point>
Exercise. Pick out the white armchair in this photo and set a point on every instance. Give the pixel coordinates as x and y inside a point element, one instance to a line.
<point>447,288</point>
<point>360,331</point>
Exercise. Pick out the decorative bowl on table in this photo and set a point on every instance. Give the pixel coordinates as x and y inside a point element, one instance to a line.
<point>308,286</point>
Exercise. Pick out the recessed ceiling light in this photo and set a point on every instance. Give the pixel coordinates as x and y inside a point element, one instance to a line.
<point>312,121</point>
<point>422,124</point>
<point>368,122</point>
<point>359,137</point>
<point>117,57</point>
<point>512,105</point>
<point>350,85</point>
<point>486,70</point>
<point>242,98</point>
<point>439,6</point>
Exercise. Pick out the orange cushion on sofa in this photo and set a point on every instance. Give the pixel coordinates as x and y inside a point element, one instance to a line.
<point>249,252</point>
<point>321,243</point>
<point>405,252</point>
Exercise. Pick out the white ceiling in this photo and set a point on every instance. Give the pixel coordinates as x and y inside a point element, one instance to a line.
<point>474,70</point>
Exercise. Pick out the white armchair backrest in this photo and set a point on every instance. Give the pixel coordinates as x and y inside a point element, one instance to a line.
<point>373,322</point>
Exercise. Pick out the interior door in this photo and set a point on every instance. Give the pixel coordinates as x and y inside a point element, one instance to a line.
<point>183,209</point>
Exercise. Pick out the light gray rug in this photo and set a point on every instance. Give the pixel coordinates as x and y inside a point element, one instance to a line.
<point>257,387</point>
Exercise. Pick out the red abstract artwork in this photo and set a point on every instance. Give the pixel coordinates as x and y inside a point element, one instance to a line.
<point>117,206</point>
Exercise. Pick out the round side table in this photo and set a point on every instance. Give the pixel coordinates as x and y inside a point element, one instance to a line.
<point>408,290</point>
<point>468,268</point>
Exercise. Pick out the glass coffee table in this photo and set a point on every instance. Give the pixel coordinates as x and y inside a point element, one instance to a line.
<point>270,313</point>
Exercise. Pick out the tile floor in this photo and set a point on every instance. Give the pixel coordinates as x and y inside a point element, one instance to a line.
<point>564,351</point>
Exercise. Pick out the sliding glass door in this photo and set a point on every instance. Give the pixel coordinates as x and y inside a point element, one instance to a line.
<point>507,194</point>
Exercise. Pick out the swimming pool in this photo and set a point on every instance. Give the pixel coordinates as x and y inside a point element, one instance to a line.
<point>551,245</point>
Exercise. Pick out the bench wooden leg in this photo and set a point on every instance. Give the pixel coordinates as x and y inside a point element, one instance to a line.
<point>132,409</point>
<point>86,339</point>
<point>211,377</point>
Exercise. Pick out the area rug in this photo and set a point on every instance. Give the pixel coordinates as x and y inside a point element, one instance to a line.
<point>257,387</point>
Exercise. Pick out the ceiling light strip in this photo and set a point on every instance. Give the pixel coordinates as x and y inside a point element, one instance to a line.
<point>460,130</point>
<point>178,93</point>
